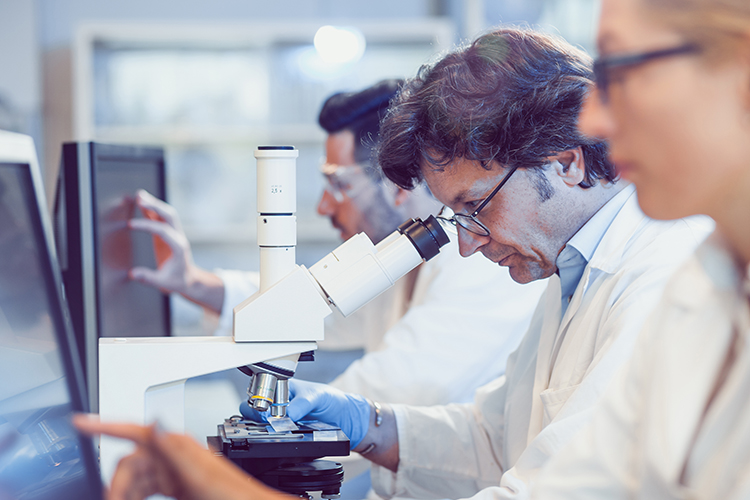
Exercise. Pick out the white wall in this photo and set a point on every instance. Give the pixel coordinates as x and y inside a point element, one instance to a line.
<point>58,18</point>
<point>20,77</point>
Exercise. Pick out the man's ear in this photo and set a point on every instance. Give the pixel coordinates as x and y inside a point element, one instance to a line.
<point>569,165</point>
<point>401,196</point>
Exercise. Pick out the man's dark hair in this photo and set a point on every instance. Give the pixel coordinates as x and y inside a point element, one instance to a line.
<point>512,97</point>
<point>360,112</point>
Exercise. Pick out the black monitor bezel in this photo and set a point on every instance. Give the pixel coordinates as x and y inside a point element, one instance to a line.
<point>75,214</point>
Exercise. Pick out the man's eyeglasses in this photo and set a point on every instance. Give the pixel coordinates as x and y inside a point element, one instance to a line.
<point>604,66</point>
<point>344,180</point>
<point>470,221</point>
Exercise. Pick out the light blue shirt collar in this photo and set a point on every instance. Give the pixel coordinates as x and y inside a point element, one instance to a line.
<point>581,247</point>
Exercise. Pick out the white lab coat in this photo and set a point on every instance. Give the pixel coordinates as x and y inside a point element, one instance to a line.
<point>464,319</point>
<point>494,447</point>
<point>648,427</point>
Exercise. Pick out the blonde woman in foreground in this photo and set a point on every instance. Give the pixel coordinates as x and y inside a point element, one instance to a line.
<point>673,99</point>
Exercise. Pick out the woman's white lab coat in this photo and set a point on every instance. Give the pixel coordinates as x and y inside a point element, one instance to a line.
<point>494,447</point>
<point>465,317</point>
<point>654,435</point>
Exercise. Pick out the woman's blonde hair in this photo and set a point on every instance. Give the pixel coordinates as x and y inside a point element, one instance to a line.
<point>719,26</point>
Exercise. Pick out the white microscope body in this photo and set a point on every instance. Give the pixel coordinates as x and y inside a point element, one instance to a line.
<point>142,380</point>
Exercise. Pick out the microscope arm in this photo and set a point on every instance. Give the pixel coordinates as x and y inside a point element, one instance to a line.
<point>347,278</point>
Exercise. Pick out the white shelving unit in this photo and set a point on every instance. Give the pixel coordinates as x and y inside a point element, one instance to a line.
<point>283,108</point>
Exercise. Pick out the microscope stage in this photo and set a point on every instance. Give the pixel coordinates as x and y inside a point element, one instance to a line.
<point>245,439</point>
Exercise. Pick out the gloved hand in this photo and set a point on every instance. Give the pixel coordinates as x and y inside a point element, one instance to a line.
<point>175,270</point>
<point>251,413</point>
<point>350,412</point>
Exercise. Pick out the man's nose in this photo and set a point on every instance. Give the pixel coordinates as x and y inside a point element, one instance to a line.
<point>469,243</point>
<point>327,204</point>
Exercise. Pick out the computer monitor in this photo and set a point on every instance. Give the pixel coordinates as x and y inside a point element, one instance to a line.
<point>41,455</point>
<point>95,198</point>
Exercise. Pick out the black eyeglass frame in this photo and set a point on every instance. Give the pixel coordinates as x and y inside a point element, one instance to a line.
<point>459,219</point>
<point>603,65</point>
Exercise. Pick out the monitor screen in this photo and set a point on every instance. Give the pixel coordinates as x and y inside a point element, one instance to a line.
<point>41,455</point>
<point>126,308</point>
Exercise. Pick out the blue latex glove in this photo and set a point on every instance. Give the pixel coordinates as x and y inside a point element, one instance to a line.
<point>251,413</point>
<point>350,412</point>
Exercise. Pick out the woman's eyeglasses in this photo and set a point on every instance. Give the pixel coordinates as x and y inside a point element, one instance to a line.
<point>604,66</point>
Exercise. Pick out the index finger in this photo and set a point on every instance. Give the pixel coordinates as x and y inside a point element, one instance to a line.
<point>91,425</point>
<point>147,201</point>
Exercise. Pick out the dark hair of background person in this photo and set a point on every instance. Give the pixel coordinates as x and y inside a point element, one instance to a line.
<point>512,97</point>
<point>360,112</point>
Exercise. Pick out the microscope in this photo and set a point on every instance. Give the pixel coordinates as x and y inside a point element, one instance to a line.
<point>143,379</point>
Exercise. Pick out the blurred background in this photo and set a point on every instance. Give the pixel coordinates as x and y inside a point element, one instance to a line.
<point>211,80</point>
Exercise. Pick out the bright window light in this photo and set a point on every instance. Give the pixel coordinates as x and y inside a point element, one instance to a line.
<point>339,44</point>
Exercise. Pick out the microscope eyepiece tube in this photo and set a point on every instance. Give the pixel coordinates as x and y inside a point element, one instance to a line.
<point>277,203</point>
<point>427,236</point>
<point>357,271</point>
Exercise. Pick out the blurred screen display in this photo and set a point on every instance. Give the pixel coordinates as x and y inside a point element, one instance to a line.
<point>40,452</point>
<point>126,308</point>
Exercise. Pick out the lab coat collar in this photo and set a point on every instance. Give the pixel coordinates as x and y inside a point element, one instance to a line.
<point>608,254</point>
<point>579,250</point>
<point>588,238</point>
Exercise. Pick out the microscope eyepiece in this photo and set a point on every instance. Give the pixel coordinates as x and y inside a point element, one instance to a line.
<point>427,236</point>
